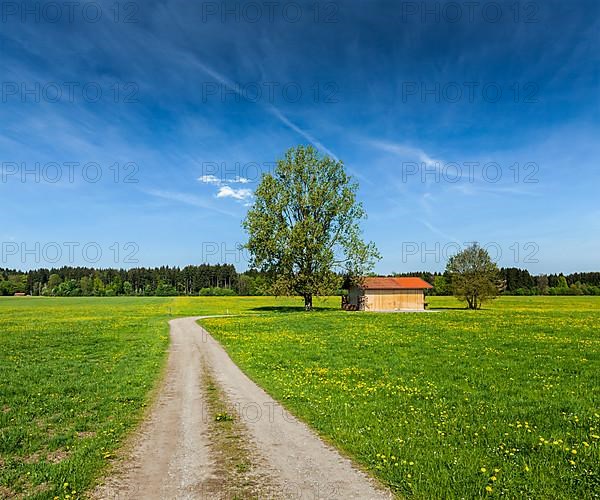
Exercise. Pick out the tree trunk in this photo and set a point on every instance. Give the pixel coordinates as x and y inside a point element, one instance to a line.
<point>308,302</point>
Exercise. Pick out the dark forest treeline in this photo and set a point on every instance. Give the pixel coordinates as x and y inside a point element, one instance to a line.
<point>520,282</point>
<point>83,281</point>
<point>223,279</point>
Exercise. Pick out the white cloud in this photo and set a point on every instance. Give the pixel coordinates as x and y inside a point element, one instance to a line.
<point>236,194</point>
<point>225,190</point>
<point>213,179</point>
<point>210,179</point>
<point>240,180</point>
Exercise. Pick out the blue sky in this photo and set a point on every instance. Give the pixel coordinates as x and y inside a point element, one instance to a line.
<point>144,125</point>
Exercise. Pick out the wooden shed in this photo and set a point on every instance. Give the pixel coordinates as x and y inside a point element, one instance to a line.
<point>387,294</point>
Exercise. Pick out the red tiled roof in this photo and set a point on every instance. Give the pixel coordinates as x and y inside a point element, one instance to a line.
<point>394,283</point>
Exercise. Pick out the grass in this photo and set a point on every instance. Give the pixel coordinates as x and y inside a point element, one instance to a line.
<point>499,402</point>
<point>76,375</point>
<point>435,405</point>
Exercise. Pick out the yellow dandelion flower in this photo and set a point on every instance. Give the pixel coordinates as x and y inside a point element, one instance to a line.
<point>489,489</point>
<point>483,469</point>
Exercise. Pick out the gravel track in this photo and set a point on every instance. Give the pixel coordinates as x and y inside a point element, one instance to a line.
<point>170,456</point>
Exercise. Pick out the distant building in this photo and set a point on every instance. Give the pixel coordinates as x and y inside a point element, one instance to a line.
<point>20,294</point>
<point>387,294</point>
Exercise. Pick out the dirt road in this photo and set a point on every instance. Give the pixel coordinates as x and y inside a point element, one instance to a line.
<point>213,433</point>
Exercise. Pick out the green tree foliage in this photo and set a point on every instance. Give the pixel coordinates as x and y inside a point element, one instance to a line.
<point>13,283</point>
<point>473,276</point>
<point>109,282</point>
<point>303,228</point>
<point>216,292</point>
<point>6,288</point>
<point>518,281</point>
<point>165,290</point>
<point>98,287</point>
<point>68,288</point>
<point>542,284</point>
<point>440,285</point>
<point>252,283</point>
<point>87,285</point>
<point>53,282</point>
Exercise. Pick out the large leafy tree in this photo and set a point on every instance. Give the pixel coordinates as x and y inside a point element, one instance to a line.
<point>473,276</point>
<point>303,226</point>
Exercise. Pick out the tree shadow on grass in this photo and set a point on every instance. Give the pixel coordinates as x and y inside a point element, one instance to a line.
<point>455,308</point>
<point>447,308</point>
<point>291,309</point>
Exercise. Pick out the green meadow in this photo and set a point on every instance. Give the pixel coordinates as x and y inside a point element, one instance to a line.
<point>76,375</point>
<point>503,402</point>
<point>499,402</point>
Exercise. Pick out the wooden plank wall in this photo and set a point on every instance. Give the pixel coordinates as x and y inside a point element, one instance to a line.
<point>394,300</point>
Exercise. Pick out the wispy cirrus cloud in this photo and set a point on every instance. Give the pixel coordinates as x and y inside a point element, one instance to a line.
<point>316,143</point>
<point>273,110</point>
<point>404,151</point>
<point>188,199</point>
